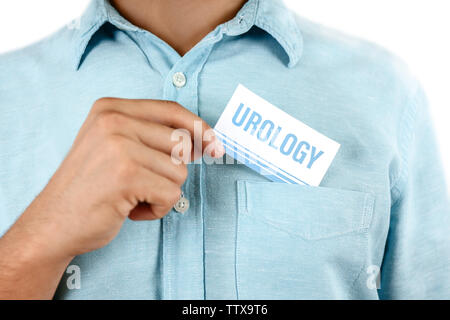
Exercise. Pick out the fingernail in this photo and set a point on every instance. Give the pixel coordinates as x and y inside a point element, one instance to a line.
<point>219,149</point>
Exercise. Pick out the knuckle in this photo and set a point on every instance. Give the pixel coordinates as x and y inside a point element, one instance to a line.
<point>109,120</point>
<point>126,171</point>
<point>172,105</point>
<point>182,173</point>
<point>171,195</point>
<point>117,152</point>
<point>174,108</point>
<point>102,103</point>
<point>116,146</point>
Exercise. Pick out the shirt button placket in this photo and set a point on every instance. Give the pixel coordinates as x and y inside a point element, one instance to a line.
<point>183,218</point>
<point>185,259</point>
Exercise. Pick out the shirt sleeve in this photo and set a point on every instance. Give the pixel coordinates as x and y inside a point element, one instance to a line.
<point>416,262</point>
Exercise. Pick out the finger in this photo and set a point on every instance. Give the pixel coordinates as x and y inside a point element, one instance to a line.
<point>145,211</point>
<point>158,192</point>
<point>158,137</point>
<point>168,113</point>
<point>157,162</point>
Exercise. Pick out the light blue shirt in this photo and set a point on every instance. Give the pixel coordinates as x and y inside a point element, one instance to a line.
<point>383,203</point>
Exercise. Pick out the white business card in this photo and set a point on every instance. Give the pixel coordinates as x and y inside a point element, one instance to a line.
<point>273,143</point>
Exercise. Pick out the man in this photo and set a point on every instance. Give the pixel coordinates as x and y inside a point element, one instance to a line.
<point>88,184</point>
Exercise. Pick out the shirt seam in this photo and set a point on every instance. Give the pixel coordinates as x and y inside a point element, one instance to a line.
<point>406,139</point>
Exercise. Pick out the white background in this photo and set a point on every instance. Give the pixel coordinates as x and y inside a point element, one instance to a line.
<point>416,30</point>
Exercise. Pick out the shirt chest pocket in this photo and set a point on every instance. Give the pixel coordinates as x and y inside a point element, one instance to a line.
<point>299,242</point>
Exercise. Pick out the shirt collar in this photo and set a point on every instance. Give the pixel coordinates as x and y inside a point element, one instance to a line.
<point>270,15</point>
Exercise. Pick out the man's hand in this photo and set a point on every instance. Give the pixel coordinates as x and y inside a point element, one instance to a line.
<point>119,166</point>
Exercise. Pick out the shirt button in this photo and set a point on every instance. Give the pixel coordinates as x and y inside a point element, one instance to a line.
<point>182,205</point>
<point>179,80</point>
